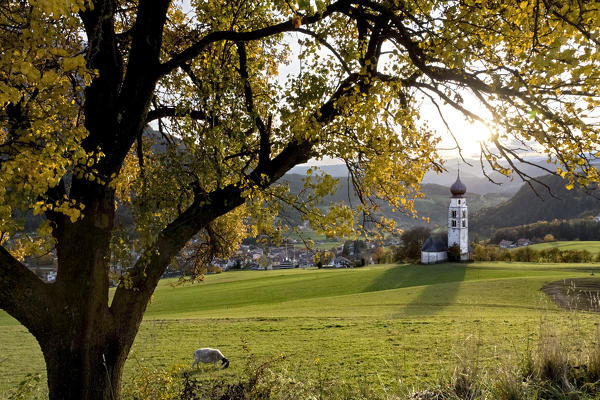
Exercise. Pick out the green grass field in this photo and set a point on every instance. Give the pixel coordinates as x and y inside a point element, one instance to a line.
<point>384,325</point>
<point>321,242</point>
<point>591,246</point>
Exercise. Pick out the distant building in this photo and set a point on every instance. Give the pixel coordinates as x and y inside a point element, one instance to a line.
<point>434,249</point>
<point>523,242</point>
<point>341,262</point>
<point>506,244</point>
<point>286,264</point>
<point>458,219</point>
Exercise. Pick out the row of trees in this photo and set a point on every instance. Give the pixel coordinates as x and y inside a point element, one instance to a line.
<point>527,254</point>
<point>583,229</point>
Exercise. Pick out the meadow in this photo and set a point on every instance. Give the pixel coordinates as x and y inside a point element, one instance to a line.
<point>392,327</point>
<point>593,246</point>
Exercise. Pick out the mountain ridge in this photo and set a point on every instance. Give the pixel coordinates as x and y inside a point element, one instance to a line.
<point>553,201</point>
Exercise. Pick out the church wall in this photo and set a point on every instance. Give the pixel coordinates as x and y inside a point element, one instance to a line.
<point>430,257</point>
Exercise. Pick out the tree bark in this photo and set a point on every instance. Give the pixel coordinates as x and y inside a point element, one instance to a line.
<point>85,370</point>
<point>83,350</point>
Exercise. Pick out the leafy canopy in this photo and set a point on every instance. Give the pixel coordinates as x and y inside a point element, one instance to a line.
<point>224,116</point>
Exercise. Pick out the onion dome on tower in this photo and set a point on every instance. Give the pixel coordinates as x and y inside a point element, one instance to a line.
<point>458,189</point>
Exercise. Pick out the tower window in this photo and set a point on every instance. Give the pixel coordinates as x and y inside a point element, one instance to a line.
<point>453,223</point>
<point>464,214</point>
<point>453,213</point>
<point>463,223</point>
<point>459,202</point>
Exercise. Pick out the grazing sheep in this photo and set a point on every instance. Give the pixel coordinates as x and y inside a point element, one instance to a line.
<point>208,355</point>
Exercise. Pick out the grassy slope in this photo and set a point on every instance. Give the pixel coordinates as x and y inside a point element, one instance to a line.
<point>271,291</point>
<point>385,323</point>
<point>591,246</point>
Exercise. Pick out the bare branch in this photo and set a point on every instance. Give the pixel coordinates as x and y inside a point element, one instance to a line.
<point>324,42</point>
<point>163,112</point>
<point>265,145</point>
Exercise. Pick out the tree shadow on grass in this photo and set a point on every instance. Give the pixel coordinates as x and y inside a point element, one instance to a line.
<point>440,285</point>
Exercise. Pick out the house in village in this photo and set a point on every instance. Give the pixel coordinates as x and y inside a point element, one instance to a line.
<point>341,262</point>
<point>507,244</point>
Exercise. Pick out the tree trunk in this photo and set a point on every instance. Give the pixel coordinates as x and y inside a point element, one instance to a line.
<point>91,371</point>
<point>84,345</point>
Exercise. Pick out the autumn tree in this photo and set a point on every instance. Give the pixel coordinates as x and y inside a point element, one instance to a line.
<point>378,255</point>
<point>412,242</point>
<point>82,80</point>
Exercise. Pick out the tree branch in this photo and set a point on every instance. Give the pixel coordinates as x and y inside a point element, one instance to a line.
<point>233,36</point>
<point>23,295</point>
<point>163,112</point>
<point>130,302</point>
<point>138,84</point>
<point>264,152</point>
<point>324,42</point>
<point>553,9</point>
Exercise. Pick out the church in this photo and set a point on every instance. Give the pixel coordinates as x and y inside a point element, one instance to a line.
<point>435,248</point>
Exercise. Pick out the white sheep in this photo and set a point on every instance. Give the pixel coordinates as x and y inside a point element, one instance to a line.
<point>208,355</point>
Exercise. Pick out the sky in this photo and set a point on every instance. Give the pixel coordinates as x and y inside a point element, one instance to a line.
<point>468,134</point>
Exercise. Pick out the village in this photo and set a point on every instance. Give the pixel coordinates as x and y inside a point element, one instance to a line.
<point>294,254</point>
<point>261,253</point>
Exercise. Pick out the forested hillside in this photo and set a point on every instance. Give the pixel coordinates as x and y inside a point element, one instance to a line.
<point>433,206</point>
<point>551,202</point>
<point>574,229</point>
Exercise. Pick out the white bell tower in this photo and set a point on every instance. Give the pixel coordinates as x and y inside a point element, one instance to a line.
<point>458,219</point>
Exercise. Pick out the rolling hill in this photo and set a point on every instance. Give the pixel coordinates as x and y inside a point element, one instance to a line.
<point>389,327</point>
<point>553,202</point>
<point>433,206</point>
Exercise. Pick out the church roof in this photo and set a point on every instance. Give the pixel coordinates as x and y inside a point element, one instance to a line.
<point>435,244</point>
<point>458,188</point>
